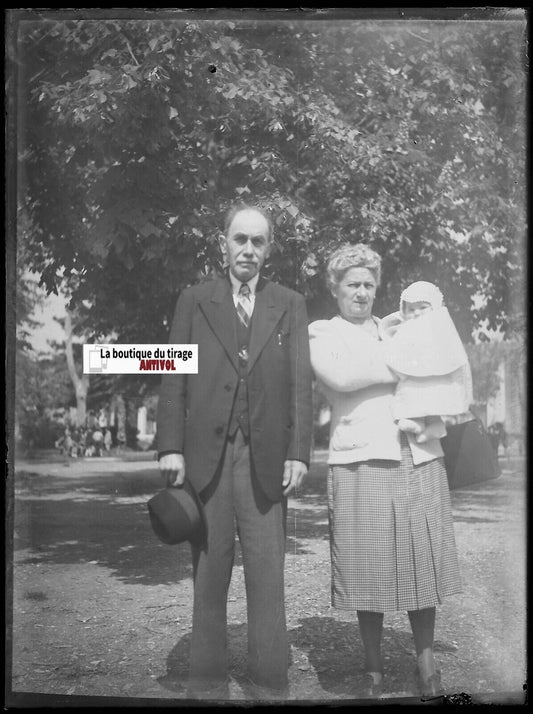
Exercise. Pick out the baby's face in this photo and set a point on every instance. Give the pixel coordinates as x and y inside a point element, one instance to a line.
<point>411,310</point>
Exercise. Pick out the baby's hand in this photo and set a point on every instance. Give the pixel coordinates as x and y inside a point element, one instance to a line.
<point>449,420</point>
<point>434,429</point>
<point>410,425</point>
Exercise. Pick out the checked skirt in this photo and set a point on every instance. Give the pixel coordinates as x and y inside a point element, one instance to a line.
<point>391,535</point>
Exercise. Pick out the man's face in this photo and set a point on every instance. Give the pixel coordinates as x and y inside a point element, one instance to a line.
<point>246,244</point>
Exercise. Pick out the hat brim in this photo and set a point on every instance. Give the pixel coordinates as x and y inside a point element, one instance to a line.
<point>177,515</point>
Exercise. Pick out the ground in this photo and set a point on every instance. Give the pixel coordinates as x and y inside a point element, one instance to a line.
<point>101,608</point>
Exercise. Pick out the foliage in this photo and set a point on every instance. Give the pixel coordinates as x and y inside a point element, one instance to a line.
<point>43,389</point>
<point>100,388</point>
<point>485,359</point>
<point>138,134</point>
<point>26,295</point>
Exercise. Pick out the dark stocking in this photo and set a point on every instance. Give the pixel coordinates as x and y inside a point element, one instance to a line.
<point>423,627</point>
<point>371,627</point>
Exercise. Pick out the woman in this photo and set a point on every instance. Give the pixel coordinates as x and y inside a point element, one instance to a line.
<point>392,541</point>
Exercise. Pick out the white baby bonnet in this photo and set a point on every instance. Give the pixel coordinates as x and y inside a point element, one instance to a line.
<point>428,345</point>
<point>422,291</point>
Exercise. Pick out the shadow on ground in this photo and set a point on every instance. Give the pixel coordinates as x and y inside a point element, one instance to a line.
<point>333,650</point>
<point>98,516</point>
<point>474,504</point>
<point>175,679</point>
<point>102,517</point>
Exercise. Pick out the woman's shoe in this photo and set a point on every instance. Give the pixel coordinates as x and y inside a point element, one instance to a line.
<point>430,687</point>
<point>373,685</point>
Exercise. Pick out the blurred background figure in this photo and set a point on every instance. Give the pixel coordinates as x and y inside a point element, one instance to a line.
<point>108,440</point>
<point>498,437</point>
<point>98,442</point>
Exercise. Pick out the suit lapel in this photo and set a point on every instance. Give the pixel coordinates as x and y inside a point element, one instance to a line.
<point>219,311</point>
<point>267,313</point>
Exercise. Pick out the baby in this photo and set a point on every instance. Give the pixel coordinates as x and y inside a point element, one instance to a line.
<point>427,355</point>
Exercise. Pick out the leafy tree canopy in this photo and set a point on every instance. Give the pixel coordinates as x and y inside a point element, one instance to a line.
<point>135,135</point>
<point>23,290</point>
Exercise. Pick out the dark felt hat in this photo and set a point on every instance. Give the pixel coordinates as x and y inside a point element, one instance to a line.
<point>177,515</point>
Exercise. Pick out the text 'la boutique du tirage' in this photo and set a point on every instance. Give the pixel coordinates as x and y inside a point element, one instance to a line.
<point>134,359</point>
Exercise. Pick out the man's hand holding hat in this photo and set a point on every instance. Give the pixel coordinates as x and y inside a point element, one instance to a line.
<point>177,513</point>
<point>172,468</point>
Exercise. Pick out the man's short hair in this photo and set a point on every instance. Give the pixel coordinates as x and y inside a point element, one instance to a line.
<point>238,207</point>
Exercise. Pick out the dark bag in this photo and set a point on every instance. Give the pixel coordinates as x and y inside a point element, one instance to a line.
<point>468,455</point>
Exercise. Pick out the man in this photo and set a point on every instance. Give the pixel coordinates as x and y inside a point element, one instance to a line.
<point>240,430</point>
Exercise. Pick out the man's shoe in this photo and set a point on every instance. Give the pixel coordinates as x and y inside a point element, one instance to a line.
<point>260,692</point>
<point>373,685</point>
<point>208,690</point>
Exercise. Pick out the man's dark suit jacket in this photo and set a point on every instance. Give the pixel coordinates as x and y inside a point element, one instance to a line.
<point>194,410</point>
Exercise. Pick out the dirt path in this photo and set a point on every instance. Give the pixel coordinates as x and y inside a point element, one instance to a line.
<point>101,608</point>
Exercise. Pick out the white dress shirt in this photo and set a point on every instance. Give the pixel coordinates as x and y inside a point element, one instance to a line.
<point>236,286</point>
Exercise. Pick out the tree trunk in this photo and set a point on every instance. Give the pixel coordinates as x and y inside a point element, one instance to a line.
<point>121,419</point>
<point>131,423</point>
<point>81,384</point>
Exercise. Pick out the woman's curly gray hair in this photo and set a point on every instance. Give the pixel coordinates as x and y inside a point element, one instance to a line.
<point>350,255</point>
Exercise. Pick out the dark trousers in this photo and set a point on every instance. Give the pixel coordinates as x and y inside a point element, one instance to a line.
<point>236,502</point>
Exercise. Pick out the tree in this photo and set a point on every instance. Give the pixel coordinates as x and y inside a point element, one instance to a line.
<point>138,134</point>
<point>485,359</point>
<point>25,295</point>
<point>80,382</point>
<point>43,388</point>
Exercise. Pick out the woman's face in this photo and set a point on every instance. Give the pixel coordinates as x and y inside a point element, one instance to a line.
<point>355,294</point>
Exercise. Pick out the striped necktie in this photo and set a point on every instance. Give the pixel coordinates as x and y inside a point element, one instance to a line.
<point>244,304</point>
